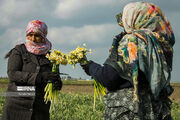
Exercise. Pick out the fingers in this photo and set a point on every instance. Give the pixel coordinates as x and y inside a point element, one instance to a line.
<point>57,85</point>
<point>50,77</point>
<point>53,75</point>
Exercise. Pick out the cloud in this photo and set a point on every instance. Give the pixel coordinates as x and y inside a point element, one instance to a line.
<point>11,37</point>
<point>64,37</point>
<point>168,6</point>
<point>69,8</point>
<point>16,12</point>
<point>13,10</point>
<point>89,34</point>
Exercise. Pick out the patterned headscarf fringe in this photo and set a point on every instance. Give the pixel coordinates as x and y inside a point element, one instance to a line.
<point>148,29</point>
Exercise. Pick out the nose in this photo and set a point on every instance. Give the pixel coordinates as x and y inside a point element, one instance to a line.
<point>33,38</point>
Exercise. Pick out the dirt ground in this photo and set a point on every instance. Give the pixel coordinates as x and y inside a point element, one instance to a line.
<point>176,94</point>
<point>90,90</point>
<point>78,89</point>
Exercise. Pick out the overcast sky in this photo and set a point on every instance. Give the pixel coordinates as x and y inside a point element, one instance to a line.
<point>74,22</point>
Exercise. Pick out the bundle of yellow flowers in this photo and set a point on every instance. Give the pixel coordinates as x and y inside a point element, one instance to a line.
<point>78,55</point>
<point>56,57</point>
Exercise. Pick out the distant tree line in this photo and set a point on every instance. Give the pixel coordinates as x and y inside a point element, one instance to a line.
<point>3,77</point>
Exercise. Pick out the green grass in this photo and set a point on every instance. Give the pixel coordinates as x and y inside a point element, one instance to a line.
<point>77,82</point>
<point>2,99</point>
<point>175,111</point>
<point>73,107</point>
<point>72,82</point>
<point>80,107</point>
<point>4,81</point>
<point>77,107</point>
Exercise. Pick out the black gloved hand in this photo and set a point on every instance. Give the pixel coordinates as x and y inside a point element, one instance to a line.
<point>57,85</point>
<point>85,67</point>
<point>50,77</point>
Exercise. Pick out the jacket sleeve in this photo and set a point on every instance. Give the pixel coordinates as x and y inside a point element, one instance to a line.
<point>107,76</point>
<point>15,73</point>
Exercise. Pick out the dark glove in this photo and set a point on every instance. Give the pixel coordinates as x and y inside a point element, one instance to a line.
<point>85,67</point>
<point>49,77</point>
<point>57,85</point>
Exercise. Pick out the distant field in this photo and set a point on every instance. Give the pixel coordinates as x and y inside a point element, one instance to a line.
<point>76,101</point>
<point>86,87</point>
<point>175,84</point>
<point>4,81</point>
<point>75,82</point>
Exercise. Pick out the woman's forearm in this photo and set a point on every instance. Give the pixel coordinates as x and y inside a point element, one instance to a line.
<point>106,75</point>
<point>23,77</point>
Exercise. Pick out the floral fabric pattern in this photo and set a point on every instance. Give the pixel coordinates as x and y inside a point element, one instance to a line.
<point>147,46</point>
<point>38,48</point>
<point>37,26</point>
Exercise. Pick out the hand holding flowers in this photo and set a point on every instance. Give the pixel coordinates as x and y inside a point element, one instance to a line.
<point>76,56</point>
<point>56,57</point>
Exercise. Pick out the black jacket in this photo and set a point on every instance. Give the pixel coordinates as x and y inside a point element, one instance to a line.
<point>24,69</point>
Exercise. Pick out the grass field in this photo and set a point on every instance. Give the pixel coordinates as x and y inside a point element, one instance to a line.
<point>76,102</point>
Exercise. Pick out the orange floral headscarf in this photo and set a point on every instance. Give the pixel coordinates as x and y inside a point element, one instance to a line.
<point>147,46</point>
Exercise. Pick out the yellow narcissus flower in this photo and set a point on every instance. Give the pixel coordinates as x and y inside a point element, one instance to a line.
<point>77,55</point>
<point>57,57</point>
<point>80,55</point>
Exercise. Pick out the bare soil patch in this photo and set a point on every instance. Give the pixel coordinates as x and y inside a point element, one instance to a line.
<point>175,96</point>
<point>89,89</point>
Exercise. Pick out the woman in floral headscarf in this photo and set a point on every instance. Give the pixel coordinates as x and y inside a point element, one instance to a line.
<point>137,72</point>
<point>29,71</point>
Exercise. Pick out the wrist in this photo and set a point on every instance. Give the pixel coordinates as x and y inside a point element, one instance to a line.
<point>84,61</point>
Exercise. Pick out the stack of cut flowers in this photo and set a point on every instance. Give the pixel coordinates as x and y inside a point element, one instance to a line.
<point>56,57</point>
<point>79,56</point>
<point>76,56</point>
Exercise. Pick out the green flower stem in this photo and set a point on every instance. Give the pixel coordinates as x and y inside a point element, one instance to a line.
<point>50,93</point>
<point>99,90</point>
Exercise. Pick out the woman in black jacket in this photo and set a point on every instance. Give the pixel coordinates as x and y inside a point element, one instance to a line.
<point>29,71</point>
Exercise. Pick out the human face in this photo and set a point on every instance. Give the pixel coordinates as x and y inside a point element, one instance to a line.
<point>35,37</point>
